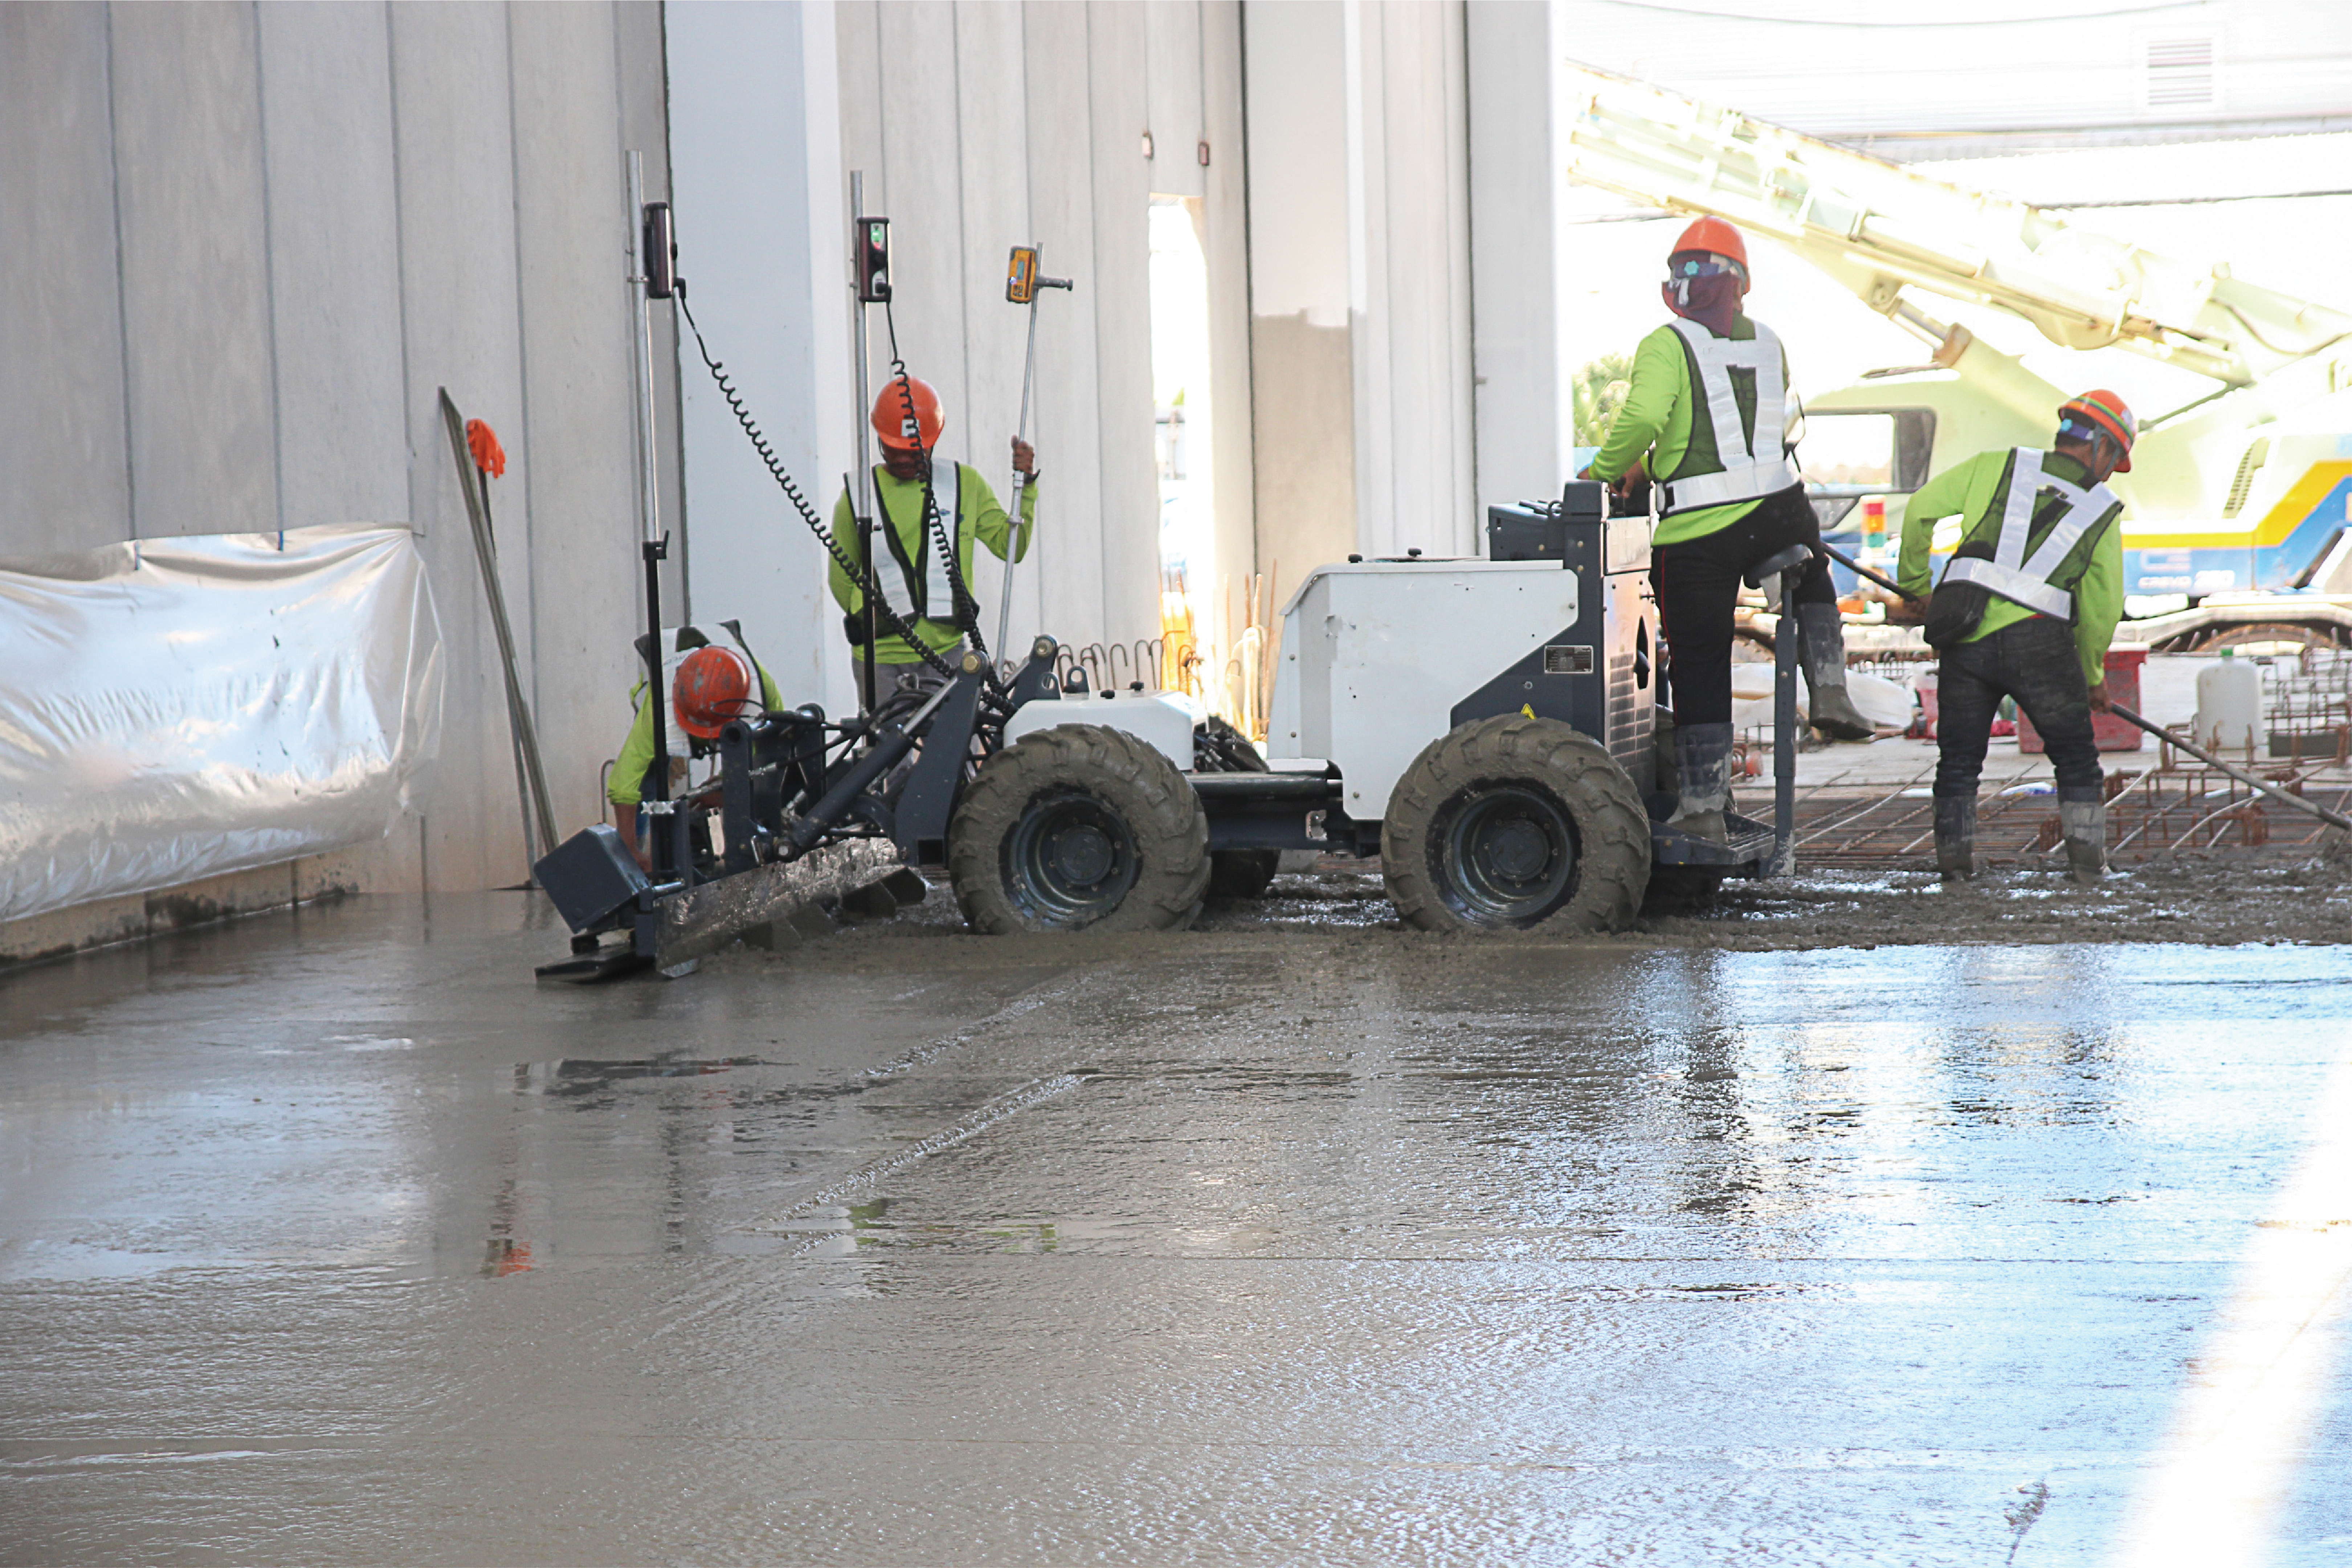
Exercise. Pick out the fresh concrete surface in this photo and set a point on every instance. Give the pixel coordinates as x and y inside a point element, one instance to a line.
<point>330,1238</point>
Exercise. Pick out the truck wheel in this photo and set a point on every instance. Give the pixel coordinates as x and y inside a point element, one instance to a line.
<point>1512,821</point>
<point>1079,827</point>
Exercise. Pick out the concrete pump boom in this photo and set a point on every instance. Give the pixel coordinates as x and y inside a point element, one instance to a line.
<point>1878,228</point>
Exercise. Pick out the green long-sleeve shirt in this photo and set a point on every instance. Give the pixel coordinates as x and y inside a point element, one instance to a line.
<point>1656,419</point>
<point>626,784</point>
<point>1968,490</point>
<point>984,521</point>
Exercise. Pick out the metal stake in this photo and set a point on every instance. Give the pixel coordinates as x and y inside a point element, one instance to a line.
<point>655,546</point>
<point>864,454</point>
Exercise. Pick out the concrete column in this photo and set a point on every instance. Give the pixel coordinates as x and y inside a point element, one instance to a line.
<point>1526,414</point>
<point>755,142</point>
<point>1301,355</point>
<point>1118,62</point>
<point>1226,244</point>
<point>1360,280</point>
<point>1067,557</point>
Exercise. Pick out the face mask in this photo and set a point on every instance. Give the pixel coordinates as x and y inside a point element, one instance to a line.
<point>1711,300</point>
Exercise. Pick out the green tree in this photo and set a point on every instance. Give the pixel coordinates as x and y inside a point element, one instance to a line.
<point>1599,392</point>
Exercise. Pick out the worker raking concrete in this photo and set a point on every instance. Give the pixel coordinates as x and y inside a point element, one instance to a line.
<point>713,684</point>
<point>943,607</point>
<point>2025,610</point>
<point>1711,419</point>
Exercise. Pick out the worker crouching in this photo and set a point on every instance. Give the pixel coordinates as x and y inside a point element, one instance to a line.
<point>1711,418</point>
<point>713,686</point>
<point>2026,609</point>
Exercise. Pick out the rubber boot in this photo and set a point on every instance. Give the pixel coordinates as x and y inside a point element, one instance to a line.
<point>1956,837</point>
<point>1822,645</point>
<point>2085,823</point>
<point>1702,769</point>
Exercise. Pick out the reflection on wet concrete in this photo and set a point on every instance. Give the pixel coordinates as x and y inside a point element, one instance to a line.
<point>1256,1246</point>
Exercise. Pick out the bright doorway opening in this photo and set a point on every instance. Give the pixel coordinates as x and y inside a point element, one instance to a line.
<point>1186,450</point>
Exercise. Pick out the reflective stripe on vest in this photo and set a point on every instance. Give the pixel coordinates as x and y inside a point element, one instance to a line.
<point>1751,471</point>
<point>2011,573</point>
<point>935,598</point>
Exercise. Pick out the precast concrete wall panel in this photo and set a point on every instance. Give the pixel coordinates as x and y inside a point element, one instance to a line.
<point>260,239</point>
<point>1525,418</point>
<point>1227,253</point>
<point>577,322</point>
<point>1066,561</point>
<point>334,261</point>
<point>1301,363</point>
<point>1122,303</point>
<point>460,316</point>
<point>195,269</point>
<point>992,76</point>
<point>1174,86</point>
<point>740,117</point>
<point>64,465</point>
<point>921,192</point>
<point>642,97</point>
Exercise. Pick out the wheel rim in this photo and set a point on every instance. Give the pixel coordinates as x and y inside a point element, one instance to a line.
<point>1070,860</point>
<point>1506,854</point>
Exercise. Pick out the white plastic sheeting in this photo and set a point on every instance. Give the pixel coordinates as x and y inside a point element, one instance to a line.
<point>174,709</point>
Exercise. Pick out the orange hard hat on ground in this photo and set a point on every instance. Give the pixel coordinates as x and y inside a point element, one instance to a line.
<point>2107,412</point>
<point>1714,236</point>
<point>890,421</point>
<point>713,688</point>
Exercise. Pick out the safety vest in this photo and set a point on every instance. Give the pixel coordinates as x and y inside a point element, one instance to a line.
<point>928,587</point>
<point>1751,470</point>
<point>2037,571</point>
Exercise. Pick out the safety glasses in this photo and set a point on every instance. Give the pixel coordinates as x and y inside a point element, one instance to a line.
<point>1692,266</point>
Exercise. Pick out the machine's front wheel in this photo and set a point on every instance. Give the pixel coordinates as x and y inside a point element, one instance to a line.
<point>1074,827</point>
<point>1512,822</point>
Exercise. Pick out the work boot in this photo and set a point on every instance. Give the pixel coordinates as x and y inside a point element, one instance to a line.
<point>1956,837</point>
<point>1821,644</point>
<point>1703,770</point>
<point>2085,823</point>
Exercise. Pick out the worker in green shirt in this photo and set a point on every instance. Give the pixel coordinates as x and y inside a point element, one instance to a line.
<point>916,579</point>
<point>2026,609</point>
<point>713,685</point>
<point>1710,419</point>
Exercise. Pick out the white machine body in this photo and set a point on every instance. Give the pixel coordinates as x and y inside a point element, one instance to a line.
<point>1162,720</point>
<point>1377,654</point>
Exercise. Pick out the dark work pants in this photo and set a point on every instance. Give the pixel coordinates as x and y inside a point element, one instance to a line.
<point>1697,583</point>
<point>2035,662</point>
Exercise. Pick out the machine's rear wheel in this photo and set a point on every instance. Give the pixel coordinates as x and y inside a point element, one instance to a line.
<point>1079,827</point>
<point>1512,822</point>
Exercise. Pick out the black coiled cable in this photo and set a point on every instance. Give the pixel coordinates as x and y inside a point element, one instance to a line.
<point>858,574</point>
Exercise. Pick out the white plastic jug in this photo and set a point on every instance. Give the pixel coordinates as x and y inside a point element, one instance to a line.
<point>2228,703</point>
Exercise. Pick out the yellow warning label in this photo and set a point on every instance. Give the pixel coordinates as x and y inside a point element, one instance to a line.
<point>1528,709</point>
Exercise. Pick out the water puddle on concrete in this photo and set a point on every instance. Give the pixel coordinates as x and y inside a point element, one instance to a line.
<point>579,1076</point>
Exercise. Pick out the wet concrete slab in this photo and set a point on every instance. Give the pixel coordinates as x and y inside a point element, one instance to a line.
<point>330,1237</point>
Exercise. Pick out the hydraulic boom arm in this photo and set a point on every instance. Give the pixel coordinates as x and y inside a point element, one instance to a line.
<point>1877,227</point>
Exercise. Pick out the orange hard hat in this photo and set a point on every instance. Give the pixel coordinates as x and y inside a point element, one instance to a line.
<point>1714,237</point>
<point>713,687</point>
<point>2109,414</point>
<point>891,421</point>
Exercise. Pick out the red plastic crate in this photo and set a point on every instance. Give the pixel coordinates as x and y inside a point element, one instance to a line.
<point>2113,734</point>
